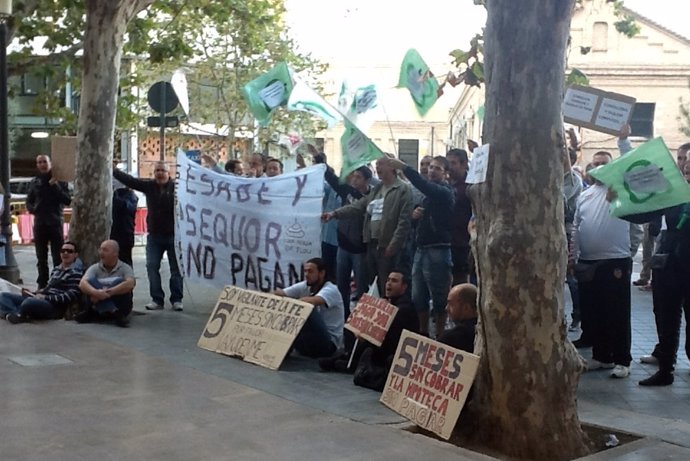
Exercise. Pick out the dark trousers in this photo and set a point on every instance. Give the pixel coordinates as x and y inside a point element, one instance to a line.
<point>605,304</point>
<point>313,339</point>
<point>670,294</point>
<point>33,308</point>
<point>378,265</point>
<point>45,235</point>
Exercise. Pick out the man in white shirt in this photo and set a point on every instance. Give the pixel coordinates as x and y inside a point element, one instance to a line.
<point>601,247</point>
<point>322,333</point>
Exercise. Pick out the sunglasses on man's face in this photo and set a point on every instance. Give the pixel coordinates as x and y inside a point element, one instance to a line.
<point>66,250</point>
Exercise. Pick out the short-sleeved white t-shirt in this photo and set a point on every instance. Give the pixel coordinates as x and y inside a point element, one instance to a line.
<point>333,313</point>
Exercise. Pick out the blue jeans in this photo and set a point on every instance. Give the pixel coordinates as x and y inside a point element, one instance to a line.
<point>28,307</point>
<point>431,278</point>
<point>155,247</point>
<point>313,339</point>
<point>120,304</point>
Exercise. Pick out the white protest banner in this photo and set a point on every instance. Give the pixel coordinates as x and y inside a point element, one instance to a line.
<point>371,319</point>
<point>253,233</point>
<point>479,165</point>
<point>597,109</point>
<point>428,382</point>
<point>258,327</point>
<point>63,155</point>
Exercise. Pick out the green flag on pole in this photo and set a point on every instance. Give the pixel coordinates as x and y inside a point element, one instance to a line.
<point>416,77</point>
<point>358,150</point>
<point>265,93</point>
<point>645,179</point>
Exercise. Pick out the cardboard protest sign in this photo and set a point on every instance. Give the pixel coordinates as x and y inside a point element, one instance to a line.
<point>371,319</point>
<point>267,92</point>
<point>63,155</point>
<point>597,109</point>
<point>249,232</point>
<point>258,327</point>
<point>645,179</point>
<point>306,99</point>
<point>358,150</point>
<point>418,79</point>
<point>479,165</point>
<point>428,382</point>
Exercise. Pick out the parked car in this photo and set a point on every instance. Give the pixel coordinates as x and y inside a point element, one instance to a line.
<point>19,188</point>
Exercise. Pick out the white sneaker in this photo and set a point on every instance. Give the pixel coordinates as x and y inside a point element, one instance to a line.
<point>153,306</point>
<point>649,360</point>
<point>620,371</point>
<point>178,307</point>
<point>597,365</point>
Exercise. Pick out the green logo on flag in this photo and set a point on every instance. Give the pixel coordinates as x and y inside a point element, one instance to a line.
<point>358,150</point>
<point>418,79</point>
<point>267,92</point>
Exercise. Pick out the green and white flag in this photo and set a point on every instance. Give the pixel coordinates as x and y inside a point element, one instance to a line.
<point>359,104</point>
<point>267,92</point>
<point>645,179</point>
<point>304,98</point>
<point>358,150</point>
<point>418,79</point>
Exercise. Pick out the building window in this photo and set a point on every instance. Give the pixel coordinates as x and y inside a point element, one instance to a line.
<point>642,121</point>
<point>600,36</point>
<point>408,151</point>
<point>32,84</point>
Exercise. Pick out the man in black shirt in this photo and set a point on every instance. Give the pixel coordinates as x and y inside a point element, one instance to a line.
<point>160,221</point>
<point>46,200</point>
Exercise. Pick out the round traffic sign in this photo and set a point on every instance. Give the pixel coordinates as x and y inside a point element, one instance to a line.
<point>162,97</point>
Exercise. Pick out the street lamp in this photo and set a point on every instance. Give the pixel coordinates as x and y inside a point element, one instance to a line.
<point>9,271</point>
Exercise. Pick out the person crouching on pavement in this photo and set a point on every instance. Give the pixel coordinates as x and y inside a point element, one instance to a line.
<point>107,286</point>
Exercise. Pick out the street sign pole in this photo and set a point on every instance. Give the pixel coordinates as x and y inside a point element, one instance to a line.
<point>163,112</point>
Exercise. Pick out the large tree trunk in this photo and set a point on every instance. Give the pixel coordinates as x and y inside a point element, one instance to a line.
<point>525,401</point>
<point>106,23</point>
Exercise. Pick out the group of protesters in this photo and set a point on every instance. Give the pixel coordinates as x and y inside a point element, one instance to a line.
<point>600,269</point>
<point>401,233</point>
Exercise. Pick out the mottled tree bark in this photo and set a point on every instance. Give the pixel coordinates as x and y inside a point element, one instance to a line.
<point>106,24</point>
<point>525,401</point>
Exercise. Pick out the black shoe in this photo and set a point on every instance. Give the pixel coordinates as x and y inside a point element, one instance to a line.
<point>329,363</point>
<point>84,317</point>
<point>15,318</point>
<point>122,322</point>
<point>581,343</point>
<point>660,378</point>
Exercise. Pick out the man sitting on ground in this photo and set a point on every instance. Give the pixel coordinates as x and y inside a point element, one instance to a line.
<point>462,310</point>
<point>107,286</point>
<point>372,366</point>
<point>322,333</point>
<point>50,302</point>
<point>405,319</point>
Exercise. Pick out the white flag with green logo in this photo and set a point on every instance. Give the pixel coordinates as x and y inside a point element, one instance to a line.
<point>304,98</point>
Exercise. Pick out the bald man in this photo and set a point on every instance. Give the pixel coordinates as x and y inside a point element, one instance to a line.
<point>107,286</point>
<point>160,220</point>
<point>46,200</point>
<point>462,310</point>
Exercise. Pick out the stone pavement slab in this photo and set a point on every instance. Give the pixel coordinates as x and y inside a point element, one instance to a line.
<point>116,403</point>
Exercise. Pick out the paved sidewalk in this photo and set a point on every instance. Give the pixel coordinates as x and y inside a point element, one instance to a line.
<point>148,392</point>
